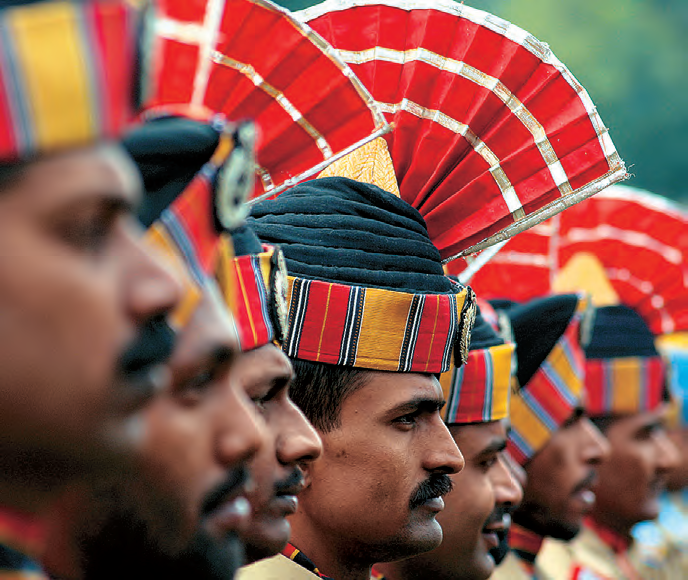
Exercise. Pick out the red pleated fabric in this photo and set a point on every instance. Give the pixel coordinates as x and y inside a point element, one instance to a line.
<point>250,59</point>
<point>641,240</point>
<point>492,133</point>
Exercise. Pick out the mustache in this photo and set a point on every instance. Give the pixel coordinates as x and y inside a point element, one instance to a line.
<point>152,347</point>
<point>437,485</point>
<point>497,515</point>
<point>586,483</point>
<point>235,480</point>
<point>294,481</point>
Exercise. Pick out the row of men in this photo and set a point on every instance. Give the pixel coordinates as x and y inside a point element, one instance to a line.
<point>151,426</point>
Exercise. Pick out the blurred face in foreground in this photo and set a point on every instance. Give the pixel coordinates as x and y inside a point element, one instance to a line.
<point>561,478</point>
<point>476,511</point>
<point>83,306</point>
<point>181,512</point>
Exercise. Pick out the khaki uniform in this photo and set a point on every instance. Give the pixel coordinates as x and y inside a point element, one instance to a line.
<point>660,548</point>
<point>587,556</point>
<point>276,568</point>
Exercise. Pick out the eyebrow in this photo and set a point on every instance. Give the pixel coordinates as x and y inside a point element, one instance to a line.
<point>423,404</point>
<point>495,446</point>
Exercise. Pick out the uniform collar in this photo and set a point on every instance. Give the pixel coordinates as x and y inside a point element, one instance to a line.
<point>525,544</point>
<point>21,531</point>
<point>293,553</point>
<point>616,542</point>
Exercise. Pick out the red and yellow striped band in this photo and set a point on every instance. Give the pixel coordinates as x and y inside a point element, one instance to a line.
<point>254,288</point>
<point>548,400</point>
<point>378,329</point>
<point>66,72</point>
<point>621,386</point>
<point>478,392</point>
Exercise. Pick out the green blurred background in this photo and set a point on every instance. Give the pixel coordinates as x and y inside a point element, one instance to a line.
<point>632,56</point>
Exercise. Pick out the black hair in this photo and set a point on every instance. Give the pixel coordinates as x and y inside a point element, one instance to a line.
<point>603,422</point>
<point>10,174</point>
<point>319,389</point>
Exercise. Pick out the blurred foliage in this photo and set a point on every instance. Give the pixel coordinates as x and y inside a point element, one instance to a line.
<point>632,56</point>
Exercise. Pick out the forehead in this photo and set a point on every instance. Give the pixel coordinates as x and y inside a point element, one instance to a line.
<point>475,437</point>
<point>74,177</point>
<point>384,391</point>
<point>264,361</point>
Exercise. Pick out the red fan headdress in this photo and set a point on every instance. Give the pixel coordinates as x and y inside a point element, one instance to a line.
<point>250,59</point>
<point>640,239</point>
<point>492,133</point>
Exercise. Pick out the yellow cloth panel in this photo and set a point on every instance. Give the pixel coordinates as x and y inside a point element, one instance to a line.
<point>370,163</point>
<point>382,329</point>
<point>527,423</point>
<point>501,362</point>
<point>585,273</point>
<point>160,242</point>
<point>626,385</point>
<point>48,42</point>
<point>562,365</point>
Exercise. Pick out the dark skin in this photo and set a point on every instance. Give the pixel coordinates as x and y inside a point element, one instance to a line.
<point>77,286</point>
<point>356,508</point>
<point>469,521</point>
<point>642,456</point>
<point>561,475</point>
<point>677,478</point>
<point>197,434</point>
<point>265,374</point>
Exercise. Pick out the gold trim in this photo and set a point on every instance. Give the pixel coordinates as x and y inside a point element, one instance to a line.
<point>249,72</point>
<point>506,188</point>
<point>494,85</point>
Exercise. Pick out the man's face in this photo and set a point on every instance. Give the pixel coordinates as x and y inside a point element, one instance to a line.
<point>641,457</point>
<point>475,509</point>
<point>265,374</point>
<point>561,477</point>
<point>77,289</point>
<point>678,477</point>
<point>377,487</point>
<point>189,492</point>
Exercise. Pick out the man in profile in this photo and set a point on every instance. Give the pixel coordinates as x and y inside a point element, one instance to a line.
<point>560,449</point>
<point>83,303</point>
<point>476,515</point>
<point>372,320</point>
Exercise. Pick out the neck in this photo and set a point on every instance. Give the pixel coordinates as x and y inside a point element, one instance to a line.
<point>613,533</point>
<point>328,554</point>
<point>24,498</point>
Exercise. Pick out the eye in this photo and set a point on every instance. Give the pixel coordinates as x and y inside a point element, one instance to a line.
<point>406,421</point>
<point>194,388</point>
<point>488,463</point>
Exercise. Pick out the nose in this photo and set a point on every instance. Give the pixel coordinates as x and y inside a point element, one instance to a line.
<point>443,455</point>
<point>151,287</point>
<point>596,448</point>
<point>668,457</point>
<point>241,432</point>
<point>508,492</point>
<point>298,441</point>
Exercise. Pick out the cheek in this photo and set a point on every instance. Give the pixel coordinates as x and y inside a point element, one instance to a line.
<point>467,508</point>
<point>66,309</point>
<point>264,474</point>
<point>178,457</point>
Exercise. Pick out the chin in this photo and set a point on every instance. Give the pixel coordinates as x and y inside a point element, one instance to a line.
<point>265,541</point>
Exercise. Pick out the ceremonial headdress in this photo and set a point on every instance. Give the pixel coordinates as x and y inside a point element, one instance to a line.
<point>251,59</point>
<point>478,392</point>
<point>66,75</point>
<point>253,281</point>
<point>638,240</point>
<point>492,133</point>
<point>366,284</point>
<point>624,373</point>
<point>197,177</point>
<point>550,376</point>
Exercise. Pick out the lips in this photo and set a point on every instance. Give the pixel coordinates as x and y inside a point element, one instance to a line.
<point>496,530</point>
<point>584,493</point>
